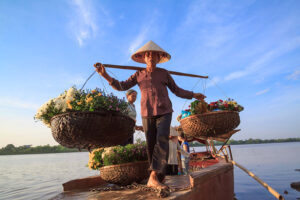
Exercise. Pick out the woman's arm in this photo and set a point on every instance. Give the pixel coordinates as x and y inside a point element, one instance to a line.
<point>182,151</point>
<point>181,92</point>
<point>101,70</point>
<point>117,85</point>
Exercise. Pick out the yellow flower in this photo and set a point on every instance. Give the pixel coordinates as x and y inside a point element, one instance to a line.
<point>94,91</point>
<point>89,99</point>
<point>99,94</point>
<point>69,101</point>
<point>70,106</point>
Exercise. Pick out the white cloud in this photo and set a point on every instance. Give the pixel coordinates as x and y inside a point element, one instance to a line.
<point>295,75</point>
<point>147,32</point>
<point>213,82</point>
<point>219,36</point>
<point>140,39</point>
<point>221,25</point>
<point>84,22</point>
<point>261,62</point>
<point>17,103</point>
<point>262,92</point>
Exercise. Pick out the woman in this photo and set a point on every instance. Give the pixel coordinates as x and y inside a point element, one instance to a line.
<point>184,155</point>
<point>131,97</point>
<point>172,168</point>
<point>156,106</point>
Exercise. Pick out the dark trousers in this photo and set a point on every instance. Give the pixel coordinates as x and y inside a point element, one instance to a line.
<point>157,130</point>
<point>129,141</point>
<point>172,170</point>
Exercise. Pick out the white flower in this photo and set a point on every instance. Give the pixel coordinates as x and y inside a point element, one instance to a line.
<point>60,104</point>
<point>63,95</point>
<point>70,94</point>
<point>46,123</point>
<point>42,110</point>
<point>107,151</point>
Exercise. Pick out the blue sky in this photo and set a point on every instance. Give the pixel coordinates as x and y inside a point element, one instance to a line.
<point>250,49</point>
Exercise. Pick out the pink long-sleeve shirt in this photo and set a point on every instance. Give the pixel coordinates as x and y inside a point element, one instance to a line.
<point>154,94</point>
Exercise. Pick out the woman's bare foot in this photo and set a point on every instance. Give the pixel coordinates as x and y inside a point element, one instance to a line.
<point>154,182</point>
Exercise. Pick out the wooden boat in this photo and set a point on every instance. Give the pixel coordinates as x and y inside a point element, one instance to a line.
<point>211,178</point>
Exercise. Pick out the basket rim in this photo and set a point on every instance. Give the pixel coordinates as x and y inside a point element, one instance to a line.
<point>209,113</point>
<point>124,164</point>
<point>91,112</point>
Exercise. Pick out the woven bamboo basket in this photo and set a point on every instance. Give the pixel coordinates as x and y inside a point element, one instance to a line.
<point>125,174</point>
<point>210,124</point>
<point>89,130</point>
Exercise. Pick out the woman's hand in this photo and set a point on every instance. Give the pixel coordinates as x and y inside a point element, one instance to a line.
<point>100,69</point>
<point>199,96</point>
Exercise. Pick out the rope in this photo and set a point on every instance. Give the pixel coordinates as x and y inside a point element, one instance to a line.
<point>219,88</point>
<point>88,79</point>
<point>204,86</point>
<point>102,81</point>
<point>117,79</point>
<point>192,90</point>
<point>103,85</point>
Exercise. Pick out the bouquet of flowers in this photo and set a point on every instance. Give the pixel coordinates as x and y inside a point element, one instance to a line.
<point>200,107</point>
<point>117,155</point>
<point>80,100</point>
<point>229,104</point>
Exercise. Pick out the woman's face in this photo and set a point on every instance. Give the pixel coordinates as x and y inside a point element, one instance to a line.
<point>152,58</point>
<point>131,97</point>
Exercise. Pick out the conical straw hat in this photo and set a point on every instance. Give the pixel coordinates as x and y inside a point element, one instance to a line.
<point>150,46</point>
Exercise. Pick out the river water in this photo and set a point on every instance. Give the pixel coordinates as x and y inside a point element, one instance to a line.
<point>40,176</point>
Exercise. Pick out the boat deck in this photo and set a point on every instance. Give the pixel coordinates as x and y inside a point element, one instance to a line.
<point>212,182</point>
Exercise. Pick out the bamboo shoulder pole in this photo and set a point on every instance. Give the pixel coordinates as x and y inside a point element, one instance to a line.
<point>141,68</point>
<point>270,189</point>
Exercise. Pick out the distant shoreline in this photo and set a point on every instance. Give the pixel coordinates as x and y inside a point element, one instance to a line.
<point>251,141</point>
<point>10,149</point>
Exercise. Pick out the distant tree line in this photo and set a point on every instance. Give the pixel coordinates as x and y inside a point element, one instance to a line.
<point>10,149</point>
<point>251,141</point>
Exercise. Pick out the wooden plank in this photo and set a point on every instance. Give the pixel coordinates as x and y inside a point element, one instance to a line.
<point>83,183</point>
<point>141,68</point>
<point>204,174</point>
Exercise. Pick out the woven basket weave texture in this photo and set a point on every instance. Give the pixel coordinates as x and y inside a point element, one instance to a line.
<point>89,130</point>
<point>125,174</point>
<point>210,124</point>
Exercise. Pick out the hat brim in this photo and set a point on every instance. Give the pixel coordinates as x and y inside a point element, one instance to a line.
<point>140,56</point>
